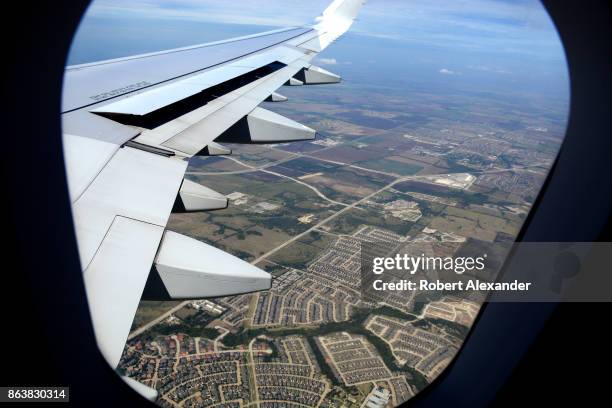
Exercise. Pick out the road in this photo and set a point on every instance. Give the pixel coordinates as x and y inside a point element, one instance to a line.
<point>164,316</point>
<point>159,319</point>
<point>346,207</point>
<point>250,169</point>
<point>263,169</point>
<point>326,220</point>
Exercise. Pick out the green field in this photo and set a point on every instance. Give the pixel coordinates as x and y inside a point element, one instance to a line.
<point>391,166</point>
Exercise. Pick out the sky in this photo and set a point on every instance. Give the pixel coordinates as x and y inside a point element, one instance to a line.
<point>503,46</point>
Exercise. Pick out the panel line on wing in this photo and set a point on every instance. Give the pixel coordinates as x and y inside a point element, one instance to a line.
<point>115,280</point>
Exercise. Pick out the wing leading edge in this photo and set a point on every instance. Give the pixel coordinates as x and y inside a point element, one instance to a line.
<point>130,127</point>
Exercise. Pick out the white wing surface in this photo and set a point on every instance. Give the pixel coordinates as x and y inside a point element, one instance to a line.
<point>130,127</point>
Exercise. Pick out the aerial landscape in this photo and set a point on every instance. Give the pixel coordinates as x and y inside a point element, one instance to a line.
<point>439,138</point>
<point>393,169</point>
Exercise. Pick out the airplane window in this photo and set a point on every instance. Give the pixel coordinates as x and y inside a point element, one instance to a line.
<point>443,129</point>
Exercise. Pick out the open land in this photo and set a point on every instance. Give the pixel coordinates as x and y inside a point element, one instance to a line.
<point>425,173</point>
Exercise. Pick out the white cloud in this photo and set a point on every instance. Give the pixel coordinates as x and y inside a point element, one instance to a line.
<point>265,12</point>
<point>445,71</point>
<point>487,68</point>
<point>510,27</point>
<point>327,61</point>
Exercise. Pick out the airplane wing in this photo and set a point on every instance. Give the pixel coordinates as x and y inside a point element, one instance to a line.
<point>130,127</point>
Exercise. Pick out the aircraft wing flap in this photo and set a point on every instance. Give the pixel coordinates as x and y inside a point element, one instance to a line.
<point>133,184</point>
<point>196,137</point>
<point>115,280</point>
<point>85,158</point>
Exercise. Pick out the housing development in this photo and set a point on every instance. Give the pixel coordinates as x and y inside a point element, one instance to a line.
<point>388,173</point>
